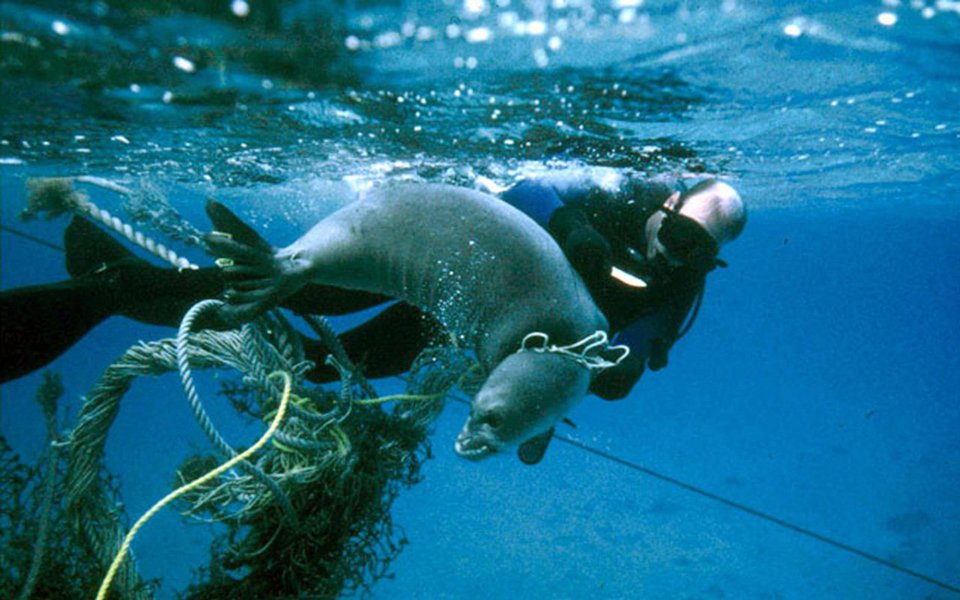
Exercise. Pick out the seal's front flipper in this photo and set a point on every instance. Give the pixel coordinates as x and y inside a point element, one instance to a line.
<point>531,451</point>
<point>247,262</point>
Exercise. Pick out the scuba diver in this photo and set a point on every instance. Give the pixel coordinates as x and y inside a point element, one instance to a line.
<point>642,249</point>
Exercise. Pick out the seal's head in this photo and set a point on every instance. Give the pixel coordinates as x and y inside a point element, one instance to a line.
<point>690,229</point>
<point>525,395</point>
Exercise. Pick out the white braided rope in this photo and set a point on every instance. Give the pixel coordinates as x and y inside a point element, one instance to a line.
<point>586,352</point>
<point>124,229</point>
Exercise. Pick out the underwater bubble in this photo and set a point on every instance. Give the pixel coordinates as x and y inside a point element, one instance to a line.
<point>184,64</point>
<point>792,30</point>
<point>887,19</point>
<point>536,28</point>
<point>478,35</point>
<point>60,28</point>
<point>540,57</point>
<point>425,34</point>
<point>388,39</point>
<point>240,8</point>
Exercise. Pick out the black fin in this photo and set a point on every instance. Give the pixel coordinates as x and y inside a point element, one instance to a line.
<point>531,451</point>
<point>89,247</point>
<point>42,322</point>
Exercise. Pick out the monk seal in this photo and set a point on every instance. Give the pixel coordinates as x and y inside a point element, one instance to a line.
<point>487,272</point>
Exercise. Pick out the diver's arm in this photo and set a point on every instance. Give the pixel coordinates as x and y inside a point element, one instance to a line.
<point>584,247</point>
<point>616,382</point>
<point>535,199</point>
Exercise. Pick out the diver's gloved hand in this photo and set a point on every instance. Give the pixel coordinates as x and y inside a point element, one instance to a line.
<point>250,270</point>
<point>658,354</point>
<point>585,248</point>
<point>616,382</point>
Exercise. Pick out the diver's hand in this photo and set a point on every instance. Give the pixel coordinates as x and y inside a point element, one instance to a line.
<point>616,382</point>
<point>584,247</point>
<point>659,349</point>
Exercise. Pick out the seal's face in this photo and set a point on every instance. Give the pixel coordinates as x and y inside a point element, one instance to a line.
<point>524,396</point>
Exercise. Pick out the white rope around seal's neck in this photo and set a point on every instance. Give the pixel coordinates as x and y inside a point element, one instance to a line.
<point>585,352</point>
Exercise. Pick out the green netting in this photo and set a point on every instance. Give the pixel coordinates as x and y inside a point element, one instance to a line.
<point>307,517</point>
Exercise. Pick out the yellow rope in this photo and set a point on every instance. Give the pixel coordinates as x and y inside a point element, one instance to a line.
<point>400,398</point>
<point>416,397</point>
<point>343,441</point>
<point>125,547</point>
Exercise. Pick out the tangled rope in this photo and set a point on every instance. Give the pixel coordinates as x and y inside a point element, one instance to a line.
<point>337,462</point>
<point>586,352</point>
<point>186,378</point>
<point>238,459</point>
<point>91,507</point>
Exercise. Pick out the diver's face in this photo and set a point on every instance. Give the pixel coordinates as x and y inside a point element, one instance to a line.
<point>524,396</point>
<point>678,235</point>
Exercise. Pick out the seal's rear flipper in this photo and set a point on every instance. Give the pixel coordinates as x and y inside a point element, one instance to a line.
<point>247,263</point>
<point>531,451</point>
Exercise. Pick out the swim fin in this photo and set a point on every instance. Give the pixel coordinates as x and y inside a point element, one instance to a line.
<point>39,323</point>
<point>138,289</point>
<point>88,248</point>
<point>248,265</point>
<point>531,451</point>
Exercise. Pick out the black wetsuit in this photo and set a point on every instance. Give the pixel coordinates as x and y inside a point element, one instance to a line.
<point>595,228</point>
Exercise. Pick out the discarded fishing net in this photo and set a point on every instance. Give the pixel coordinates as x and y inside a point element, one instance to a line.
<point>36,560</point>
<point>307,517</point>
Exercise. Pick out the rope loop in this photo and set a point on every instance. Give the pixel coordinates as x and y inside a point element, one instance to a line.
<point>586,352</point>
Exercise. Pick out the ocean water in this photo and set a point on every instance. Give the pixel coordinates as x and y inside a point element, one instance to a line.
<point>805,431</point>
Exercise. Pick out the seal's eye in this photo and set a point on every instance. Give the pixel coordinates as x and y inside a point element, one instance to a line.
<point>491,419</point>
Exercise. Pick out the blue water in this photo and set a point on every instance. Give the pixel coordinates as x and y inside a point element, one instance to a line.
<point>819,385</point>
